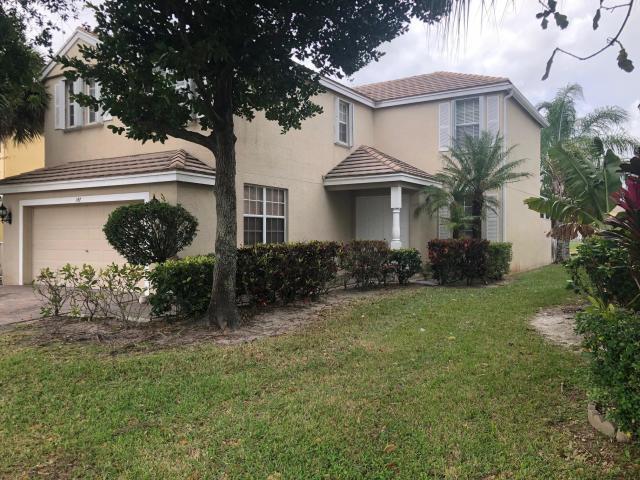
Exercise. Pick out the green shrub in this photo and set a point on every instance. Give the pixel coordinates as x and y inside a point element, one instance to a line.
<point>453,260</point>
<point>151,232</point>
<point>612,336</point>
<point>115,291</point>
<point>601,270</point>
<point>498,260</point>
<point>367,262</point>
<point>182,287</point>
<point>266,274</point>
<point>285,271</point>
<point>406,263</point>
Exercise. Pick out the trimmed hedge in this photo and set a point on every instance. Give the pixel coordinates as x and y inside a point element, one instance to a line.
<point>406,263</point>
<point>266,274</point>
<point>601,270</point>
<point>612,336</point>
<point>453,260</point>
<point>498,260</point>
<point>367,262</point>
<point>182,287</point>
<point>285,271</point>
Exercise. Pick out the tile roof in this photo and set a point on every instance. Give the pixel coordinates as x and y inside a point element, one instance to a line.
<point>365,161</point>
<point>168,161</point>
<point>435,82</point>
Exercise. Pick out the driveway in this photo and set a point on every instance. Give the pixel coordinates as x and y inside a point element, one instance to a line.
<point>18,303</point>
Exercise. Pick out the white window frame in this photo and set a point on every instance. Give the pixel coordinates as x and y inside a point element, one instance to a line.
<point>455,115</point>
<point>264,215</point>
<point>348,124</point>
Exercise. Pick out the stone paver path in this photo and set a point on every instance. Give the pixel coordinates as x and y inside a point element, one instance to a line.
<point>18,303</point>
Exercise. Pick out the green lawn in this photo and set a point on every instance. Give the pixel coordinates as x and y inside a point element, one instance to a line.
<point>432,383</point>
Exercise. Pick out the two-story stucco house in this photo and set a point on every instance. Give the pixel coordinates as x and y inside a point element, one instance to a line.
<point>355,171</point>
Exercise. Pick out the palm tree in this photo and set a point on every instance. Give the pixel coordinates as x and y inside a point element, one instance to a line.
<point>591,179</point>
<point>573,132</point>
<point>474,167</point>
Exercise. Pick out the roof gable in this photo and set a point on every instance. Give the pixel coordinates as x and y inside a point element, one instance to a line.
<point>80,35</point>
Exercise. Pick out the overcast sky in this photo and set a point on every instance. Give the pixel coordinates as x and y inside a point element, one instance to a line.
<point>508,41</point>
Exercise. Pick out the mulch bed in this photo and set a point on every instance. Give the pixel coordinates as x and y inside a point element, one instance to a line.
<point>157,334</point>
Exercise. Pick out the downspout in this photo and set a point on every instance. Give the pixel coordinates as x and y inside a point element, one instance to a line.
<point>505,130</point>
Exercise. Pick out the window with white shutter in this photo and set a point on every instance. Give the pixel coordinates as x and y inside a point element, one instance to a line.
<point>344,122</point>
<point>444,126</point>
<point>78,111</point>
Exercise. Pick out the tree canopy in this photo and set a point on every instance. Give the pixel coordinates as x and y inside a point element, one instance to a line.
<point>188,69</point>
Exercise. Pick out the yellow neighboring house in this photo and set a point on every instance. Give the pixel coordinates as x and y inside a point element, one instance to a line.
<point>17,159</point>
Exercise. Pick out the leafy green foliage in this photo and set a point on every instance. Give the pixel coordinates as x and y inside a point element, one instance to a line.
<point>590,179</point>
<point>499,255</point>
<point>114,291</point>
<point>601,270</point>
<point>150,232</point>
<point>406,263</point>
<point>454,260</point>
<point>188,69</point>
<point>285,272</point>
<point>625,225</point>
<point>182,287</point>
<point>23,98</point>
<point>474,168</point>
<point>366,262</point>
<point>612,336</point>
<point>266,274</point>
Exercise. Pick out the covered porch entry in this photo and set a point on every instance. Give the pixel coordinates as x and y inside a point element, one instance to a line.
<point>383,188</point>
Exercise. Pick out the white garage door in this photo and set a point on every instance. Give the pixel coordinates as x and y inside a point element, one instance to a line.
<point>71,234</point>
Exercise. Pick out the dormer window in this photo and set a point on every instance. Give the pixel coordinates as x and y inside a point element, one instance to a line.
<point>344,123</point>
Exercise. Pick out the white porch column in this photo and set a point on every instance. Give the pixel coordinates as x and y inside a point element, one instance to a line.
<point>396,205</point>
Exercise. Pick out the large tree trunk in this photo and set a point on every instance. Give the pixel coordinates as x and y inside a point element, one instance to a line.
<point>223,310</point>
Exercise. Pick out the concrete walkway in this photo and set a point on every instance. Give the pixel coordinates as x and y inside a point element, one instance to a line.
<point>18,303</point>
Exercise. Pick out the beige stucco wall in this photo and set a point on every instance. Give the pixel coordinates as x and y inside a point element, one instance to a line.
<point>297,162</point>
<point>171,191</point>
<point>16,159</point>
<point>524,227</point>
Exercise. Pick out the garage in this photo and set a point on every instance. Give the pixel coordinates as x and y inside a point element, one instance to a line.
<point>71,234</point>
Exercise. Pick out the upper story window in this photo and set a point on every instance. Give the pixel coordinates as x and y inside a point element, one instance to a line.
<point>467,118</point>
<point>265,215</point>
<point>68,113</point>
<point>344,123</point>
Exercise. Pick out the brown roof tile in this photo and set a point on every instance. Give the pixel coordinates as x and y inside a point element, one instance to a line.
<point>370,161</point>
<point>167,161</point>
<point>435,82</point>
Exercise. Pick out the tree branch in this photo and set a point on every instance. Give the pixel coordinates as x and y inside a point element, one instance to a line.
<point>610,42</point>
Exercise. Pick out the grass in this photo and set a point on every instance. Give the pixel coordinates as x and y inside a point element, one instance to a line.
<point>432,383</point>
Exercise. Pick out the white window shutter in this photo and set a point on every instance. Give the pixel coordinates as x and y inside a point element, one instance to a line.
<point>351,123</point>
<point>77,109</point>
<point>493,114</point>
<point>336,124</point>
<point>59,105</point>
<point>482,105</point>
<point>491,225</point>
<point>443,223</point>
<point>102,115</point>
<point>444,126</point>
